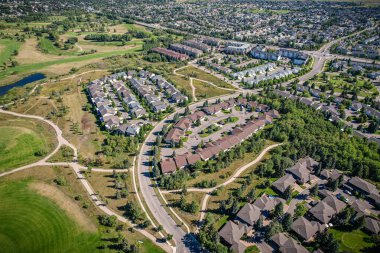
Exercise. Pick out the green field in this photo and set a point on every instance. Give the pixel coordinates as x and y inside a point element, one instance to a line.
<point>7,47</point>
<point>20,142</point>
<point>200,74</point>
<point>47,47</point>
<point>32,223</point>
<point>205,90</point>
<point>37,66</point>
<point>352,241</point>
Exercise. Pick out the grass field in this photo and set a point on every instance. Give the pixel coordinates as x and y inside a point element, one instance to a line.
<point>223,174</point>
<point>205,90</point>
<point>7,47</point>
<point>21,202</point>
<point>66,62</point>
<point>20,139</point>
<point>32,223</point>
<point>47,47</point>
<point>352,241</point>
<point>190,218</point>
<point>200,74</point>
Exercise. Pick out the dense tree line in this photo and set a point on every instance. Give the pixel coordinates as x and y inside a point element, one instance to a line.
<point>309,133</point>
<point>209,238</point>
<point>108,38</point>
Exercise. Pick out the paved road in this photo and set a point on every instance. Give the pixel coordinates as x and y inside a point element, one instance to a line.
<point>184,242</point>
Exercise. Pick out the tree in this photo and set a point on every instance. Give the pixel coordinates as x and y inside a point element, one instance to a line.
<point>300,211</point>
<point>287,193</point>
<point>109,221</point>
<point>193,207</point>
<point>169,237</point>
<point>314,190</point>
<point>259,223</point>
<point>278,210</point>
<point>287,222</point>
<point>159,228</point>
<point>251,195</point>
<point>235,207</point>
<point>272,229</point>
<point>327,243</point>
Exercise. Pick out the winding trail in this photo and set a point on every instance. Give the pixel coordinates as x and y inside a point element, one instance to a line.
<point>193,90</point>
<point>79,169</point>
<point>235,176</point>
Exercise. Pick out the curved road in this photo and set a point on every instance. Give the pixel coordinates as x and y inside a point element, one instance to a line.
<point>185,242</point>
<point>78,169</point>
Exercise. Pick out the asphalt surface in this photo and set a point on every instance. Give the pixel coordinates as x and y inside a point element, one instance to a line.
<point>184,241</point>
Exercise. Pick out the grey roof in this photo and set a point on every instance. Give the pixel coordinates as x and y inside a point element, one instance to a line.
<point>287,244</point>
<point>372,225</point>
<point>305,228</point>
<point>284,182</point>
<point>363,185</point>
<point>361,207</point>
<point>300,171</point>
<point>335,203</point>
<point>266,203</point>
<point>249,214</point>
<point>232,232</point>
<point>322,212</point>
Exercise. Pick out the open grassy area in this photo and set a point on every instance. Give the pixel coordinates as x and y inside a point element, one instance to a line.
<point>30,222</point>
<point>352,241</point>
<point>340,83</point>
<point>34,220</point>
<point>224,173</point>
<point>7,47</point>
<point>200,74</point>
<point>65,63</point>
<point>190,218</point>
<point>205,90</point>
<point>23,141</point>
<point>104,183</point>
<point>47,47</point>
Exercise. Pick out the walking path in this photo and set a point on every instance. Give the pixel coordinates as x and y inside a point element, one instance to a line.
<point>200,80</point>
<point>78,169</point>
<point>235,176</point>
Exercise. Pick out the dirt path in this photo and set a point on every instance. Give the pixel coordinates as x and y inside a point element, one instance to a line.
<point>193,90</point>
<point>201,80</point>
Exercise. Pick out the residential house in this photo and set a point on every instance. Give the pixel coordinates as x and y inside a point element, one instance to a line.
<point>231,234</point>
<point>286,244</point>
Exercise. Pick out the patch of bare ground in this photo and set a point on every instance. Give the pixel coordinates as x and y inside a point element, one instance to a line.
<point>65,203</point>
<point>29,53</point>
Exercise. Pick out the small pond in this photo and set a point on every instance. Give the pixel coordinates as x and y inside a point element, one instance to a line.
<point>29,79</point>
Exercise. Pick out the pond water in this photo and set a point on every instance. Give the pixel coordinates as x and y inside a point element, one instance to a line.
<point>29,79</point>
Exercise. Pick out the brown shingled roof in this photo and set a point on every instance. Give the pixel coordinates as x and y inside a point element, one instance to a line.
<point>168,165</point>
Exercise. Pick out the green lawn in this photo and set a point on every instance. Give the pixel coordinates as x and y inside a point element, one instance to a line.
<point>7,47</point>
<point>37,66</point>
<point>48,47</point>
<point>353,241</point>
<point>32,223</point>
<point>205,90</point>
<point>252,249</point>
<point>19,144</point>
<point>200,74</point>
